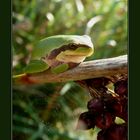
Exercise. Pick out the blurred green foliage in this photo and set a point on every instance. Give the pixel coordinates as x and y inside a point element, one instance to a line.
<point>50,111</point>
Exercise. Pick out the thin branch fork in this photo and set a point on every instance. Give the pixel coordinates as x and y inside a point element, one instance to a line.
<point>86,70</point>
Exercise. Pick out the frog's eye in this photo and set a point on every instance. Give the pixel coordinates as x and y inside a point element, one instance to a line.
<point>72,46</point>
<point>43,58</point>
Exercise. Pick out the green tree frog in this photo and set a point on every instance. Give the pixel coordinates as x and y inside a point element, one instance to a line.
<point>59,53</point>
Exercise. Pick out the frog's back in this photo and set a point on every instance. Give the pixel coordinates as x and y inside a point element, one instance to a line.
<point>46,45</point>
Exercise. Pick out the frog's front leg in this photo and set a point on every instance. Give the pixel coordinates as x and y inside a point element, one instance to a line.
<point>36,66</point>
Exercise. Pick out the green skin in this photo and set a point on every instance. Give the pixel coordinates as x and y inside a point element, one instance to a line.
<point>47,45</point>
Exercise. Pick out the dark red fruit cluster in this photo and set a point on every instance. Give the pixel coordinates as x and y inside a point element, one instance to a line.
<point>121,87</point>
<point>104,107</point>
<point>115,132</point>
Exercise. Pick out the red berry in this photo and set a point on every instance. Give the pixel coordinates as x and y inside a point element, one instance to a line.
<point>109,99</point>
<point>124,113</point>
<point>104,120</point>
<point>98,82</point>
<point>116,108</point>
<point>101,135</point>
<point>113,105</point>
<point>121,87</point>
<point>117,132</point>
<point>86,121</point>
<point>95,105</point>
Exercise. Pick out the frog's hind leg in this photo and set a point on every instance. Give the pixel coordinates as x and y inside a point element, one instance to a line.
<point>60,68</point>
